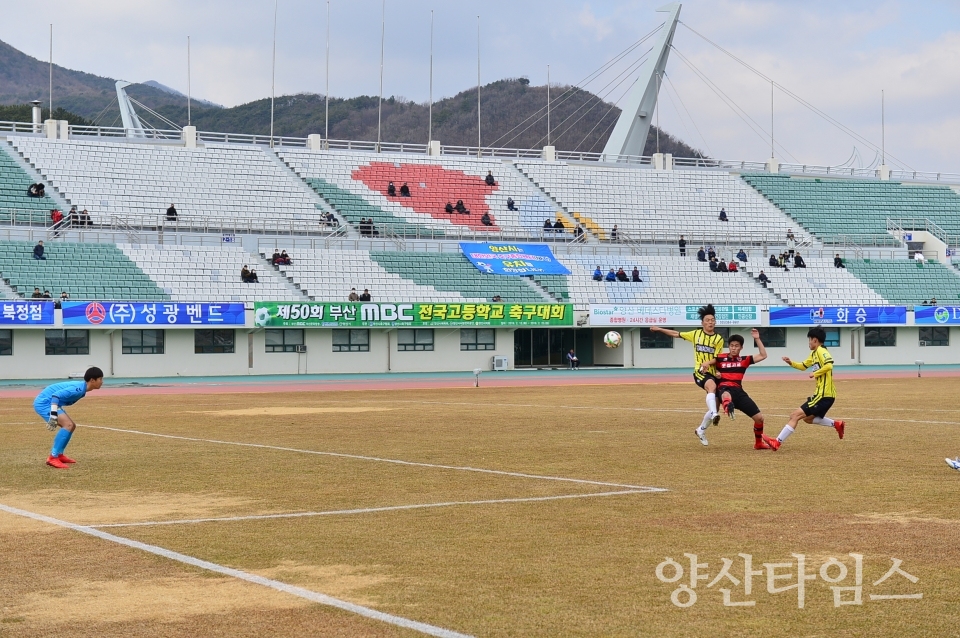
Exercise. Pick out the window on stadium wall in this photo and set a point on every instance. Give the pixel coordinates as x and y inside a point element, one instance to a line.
<point>478,339</point>
<point>6,342</point>
<point>67,342</point>
<point>833,337</point>
<point>548,347</point>
<point>773,337</point>
<point>352,340</point>
<point>723,331</point>
<point>934,336</point>
<point>878,337</point>
<point>283,340</point>
<point>650,340</point>
<point>415,339</point>
<point>142,342</point>
<point>214,341</point>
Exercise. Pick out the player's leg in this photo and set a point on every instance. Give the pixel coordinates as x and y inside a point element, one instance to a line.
<point>710,386</point>
<point>820,416</point>
<point>57,458</point>
<point>800,414</point>
<point>743,402</point>
<point>701,380</point>
<point>727,404</point>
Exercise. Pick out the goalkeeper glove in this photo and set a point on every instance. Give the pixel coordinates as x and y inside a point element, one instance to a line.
<point>52,421</point>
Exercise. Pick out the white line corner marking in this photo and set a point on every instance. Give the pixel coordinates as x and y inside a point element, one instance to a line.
<point>300,592</point>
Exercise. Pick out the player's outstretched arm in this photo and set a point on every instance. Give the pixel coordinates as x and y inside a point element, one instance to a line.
<point>667,331</point>
<point>757,358</point>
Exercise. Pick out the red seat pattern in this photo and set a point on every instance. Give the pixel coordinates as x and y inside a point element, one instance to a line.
<point>431,187</point>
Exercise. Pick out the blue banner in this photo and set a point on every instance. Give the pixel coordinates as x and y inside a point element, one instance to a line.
<point>26,313</point>
<point>936,315</point>
<point>513,259</point>
<point>838,315</point>
<point>111,313</point>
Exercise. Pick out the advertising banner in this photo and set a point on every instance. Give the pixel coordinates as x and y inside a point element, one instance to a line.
<point>132,313</point>
<point>838,315</point>
<point>26,313</point>
<point>669,315</point>
<point>325,314</point>
<point>513,259</point>
<point>936,315</point>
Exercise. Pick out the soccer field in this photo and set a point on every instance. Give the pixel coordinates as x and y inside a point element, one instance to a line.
<point>547,511</point>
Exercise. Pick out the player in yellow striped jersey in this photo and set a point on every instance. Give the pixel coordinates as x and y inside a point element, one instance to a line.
<point>707,345</point>
<point>815,409</point>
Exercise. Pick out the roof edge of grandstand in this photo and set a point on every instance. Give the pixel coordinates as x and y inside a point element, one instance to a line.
<point>175,138</point>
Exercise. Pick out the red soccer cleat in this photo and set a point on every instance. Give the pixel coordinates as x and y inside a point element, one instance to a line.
<point>838,426</point>
<point>774,444</point>
<point>760,444</point>
<point>63,458</point>
<point>57,463</point>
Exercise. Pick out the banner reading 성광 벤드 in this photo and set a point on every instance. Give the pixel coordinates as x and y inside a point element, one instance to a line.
<point>416,315</point>
<point>669,315</point>
<point>519,260</point>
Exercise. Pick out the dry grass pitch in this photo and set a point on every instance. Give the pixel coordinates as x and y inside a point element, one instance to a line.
<point>532,564</point>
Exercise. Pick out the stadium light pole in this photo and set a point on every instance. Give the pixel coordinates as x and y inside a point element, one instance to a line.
<point>51,71</point>
<point>383,31</point>
<point>548,105</point>
<point>883,130</point>
<point>430,116</point>
<point>771,120</point>
<point>479,152</point>
<point>657,105</point>
<point>273,81</point>
<point>326,91</point>
<point>188,81</point>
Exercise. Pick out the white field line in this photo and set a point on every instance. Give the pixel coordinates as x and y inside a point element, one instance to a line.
<point>322,599</point>
<point>641,488</point>
<point>369,510</point>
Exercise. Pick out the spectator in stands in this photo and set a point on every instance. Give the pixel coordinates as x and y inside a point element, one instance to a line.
<point>485,219</point>
<point>635,275</point>
<point>404,190</point>
<point>285,258</point>
<point>36,294</point>
<point>683,246</point>
<point>57,218</point>
<point>353,295</point>
<point>701,255</point>
<point>611,276</point>
<point>245,274</point>
<point>85,218</point>
<point>448,208</point>
<point>791,240</point>
<point>721,266</point>
<point>838,262</point>
<point>763,279</point>
<point>47,295</point>
<point>488,180</point>
<point>64,296</point>
<point>460,208</point>
<point>511,205</point>
<point>558,226</point>
<point>790,236</point>
<point>798,261</point>
<point>59,302</point>
<point>74,216</point>
<point>578,233</point>
<point>933,301</point>
<point>732,266</point>
<point>714,267</point>
<point>391,190</point>
<point>365,296</point>
<point>496,298</point>
<point>172,213</point>
<point>784,261</point>
<point>253,277</point>
<point>547,225</point>
<point>918,257</point>
<point>614,233</point>
<point>597,275</point>
<point>35,190</point>
<point>723,215</point>
<point>621,275</point>
<point>742,256</point>
<point>330,220</point>
<point>774,263</point>
<point>711,253</point>
<point>38,251</point>
<point>275,260</point>
<point>573,360</point>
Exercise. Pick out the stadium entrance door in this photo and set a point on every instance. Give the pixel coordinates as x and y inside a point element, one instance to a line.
<point>548,347</point>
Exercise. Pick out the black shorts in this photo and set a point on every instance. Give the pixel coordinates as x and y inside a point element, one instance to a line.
<point>741,400</point>
<point>819,408</point>
<point>701,379</point>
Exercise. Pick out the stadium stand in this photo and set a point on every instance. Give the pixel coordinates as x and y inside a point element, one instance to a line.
<point>14,182</point>
<point>208,273</point>
<point>662,205</point>
<point>84,270</point>
<point>242,184</point>
<point>356,185</point>
<point>907,282</point>
<point>820,283</point>
<point>831,208</point>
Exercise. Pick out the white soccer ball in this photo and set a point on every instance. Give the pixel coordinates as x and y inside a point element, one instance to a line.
<point>263,317</point>
<point>612,339</point>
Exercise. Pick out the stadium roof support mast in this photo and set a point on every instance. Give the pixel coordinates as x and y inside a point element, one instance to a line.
<point>273,72</point>
<point>383,33</point>
<point>131,123</point>
<point>630,133</point>
<point>326,91</point>
<point>51,71</point>
<point>479,150</point>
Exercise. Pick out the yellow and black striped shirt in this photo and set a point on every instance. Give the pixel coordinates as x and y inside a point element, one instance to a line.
<point>705,348</point>
<point>822,363</point>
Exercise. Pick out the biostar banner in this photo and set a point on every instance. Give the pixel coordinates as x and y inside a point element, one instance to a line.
<point>669,315</point>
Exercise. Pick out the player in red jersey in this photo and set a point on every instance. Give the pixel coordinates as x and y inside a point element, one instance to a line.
<point>732,367</point>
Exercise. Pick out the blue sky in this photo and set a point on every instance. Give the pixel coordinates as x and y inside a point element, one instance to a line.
<point>836,55</point>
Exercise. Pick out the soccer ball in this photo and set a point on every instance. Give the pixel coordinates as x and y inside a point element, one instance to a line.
<point>612,339</point>
<point>262,318</point>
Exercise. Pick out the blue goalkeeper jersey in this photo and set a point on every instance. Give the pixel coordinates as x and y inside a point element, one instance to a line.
<point>63,394</point>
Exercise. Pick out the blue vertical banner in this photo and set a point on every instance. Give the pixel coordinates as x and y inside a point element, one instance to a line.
<point>838,315</point>
<point>127,313</point>
<point>519,260</point>
<point>25,312</point>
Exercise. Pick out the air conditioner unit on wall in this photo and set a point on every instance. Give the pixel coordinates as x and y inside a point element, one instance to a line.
<point>501,363</point>
<point>301,349</point>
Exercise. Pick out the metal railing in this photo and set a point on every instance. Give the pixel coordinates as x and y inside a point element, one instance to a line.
<point>899,225</point>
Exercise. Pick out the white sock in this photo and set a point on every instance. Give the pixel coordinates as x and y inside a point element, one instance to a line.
<point>712,404</point>
<point>823,421</point>
<point>707,419</point>
<point>784,433</point>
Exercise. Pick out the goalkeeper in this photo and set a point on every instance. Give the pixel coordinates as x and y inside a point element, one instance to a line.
<point>49,405</point>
